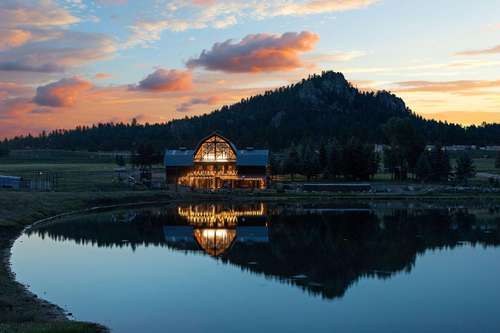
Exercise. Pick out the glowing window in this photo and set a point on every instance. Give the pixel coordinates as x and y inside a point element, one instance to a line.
<point>215,149</point>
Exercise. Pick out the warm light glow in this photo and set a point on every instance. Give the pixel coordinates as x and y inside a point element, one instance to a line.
<point>215,149</point>
<point>213,216</point>
<point>215,241</point>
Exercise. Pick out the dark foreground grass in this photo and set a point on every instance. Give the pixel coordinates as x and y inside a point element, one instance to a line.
<point>53,327</point>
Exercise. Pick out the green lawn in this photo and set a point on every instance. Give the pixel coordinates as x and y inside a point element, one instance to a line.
<point>54,327</point>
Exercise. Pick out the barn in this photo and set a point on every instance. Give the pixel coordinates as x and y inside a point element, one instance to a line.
<point>217,163</point>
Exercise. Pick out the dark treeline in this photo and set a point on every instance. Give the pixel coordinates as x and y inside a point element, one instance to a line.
<point>317,109</point>
<point>406,156</point>
<point>351,160</point>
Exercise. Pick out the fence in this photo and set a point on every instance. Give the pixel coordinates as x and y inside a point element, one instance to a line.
<point>83,180</point>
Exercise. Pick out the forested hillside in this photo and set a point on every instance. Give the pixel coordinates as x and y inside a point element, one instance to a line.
<point>319,108</point>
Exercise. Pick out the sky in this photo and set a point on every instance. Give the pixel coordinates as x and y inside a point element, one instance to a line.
<point>65,63</point>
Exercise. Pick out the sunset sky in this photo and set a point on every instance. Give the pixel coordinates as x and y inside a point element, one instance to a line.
<point>77,62</point>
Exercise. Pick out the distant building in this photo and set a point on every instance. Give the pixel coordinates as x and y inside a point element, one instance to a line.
<point>10,182</point>
<point>216,163</point>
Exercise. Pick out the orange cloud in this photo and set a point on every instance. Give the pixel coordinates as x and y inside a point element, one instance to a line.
<point>61,93</point>
<point>163,80</point>
<point>10,38</point>
<point>39,14</point>
<point>465,117</point>
<point>322,6</point>
<point>257,53</point>
<point>461,87</point>
<point>491,50</point>
<point>187,106</point>
<point>102,76</point>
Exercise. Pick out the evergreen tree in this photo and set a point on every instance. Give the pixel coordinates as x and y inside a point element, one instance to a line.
<point>423,170</point>
<point>334,166</point>
<point>144,158</point>
<point>406,145</point>
<point>359,161</point>
<point>464,168</point>
<point>323,158</point>
<point>292,162</point>
<point>440,164</point>
<point>309,161</point>
<point>120,161</point>
<point>4,150</point>
<point>275,165</point>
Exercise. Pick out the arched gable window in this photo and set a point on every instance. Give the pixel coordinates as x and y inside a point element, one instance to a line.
<point>215,148</point>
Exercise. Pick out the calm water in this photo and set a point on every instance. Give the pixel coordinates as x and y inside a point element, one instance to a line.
<point>258,268</point>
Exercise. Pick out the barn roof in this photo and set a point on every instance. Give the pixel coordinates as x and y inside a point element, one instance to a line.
<point>245,157</point>
<point>252,157</point>
<point>179,157</point>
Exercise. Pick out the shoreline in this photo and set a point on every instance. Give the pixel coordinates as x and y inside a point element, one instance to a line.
<point>26,301</point>
<point>19,305</point>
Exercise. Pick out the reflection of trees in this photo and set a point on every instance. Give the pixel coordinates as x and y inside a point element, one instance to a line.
<point>116,229</point>
<point>322,253</point>
<point>328,253</point>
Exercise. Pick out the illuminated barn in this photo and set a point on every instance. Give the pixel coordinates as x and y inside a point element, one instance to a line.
<point>217,163</point>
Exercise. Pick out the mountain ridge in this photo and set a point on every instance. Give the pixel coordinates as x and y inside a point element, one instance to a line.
<point>319,108</point>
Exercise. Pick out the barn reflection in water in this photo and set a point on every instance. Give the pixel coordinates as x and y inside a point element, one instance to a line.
<point>321,249</point>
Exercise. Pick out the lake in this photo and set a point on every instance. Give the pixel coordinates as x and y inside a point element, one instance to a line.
<point>256,267</point>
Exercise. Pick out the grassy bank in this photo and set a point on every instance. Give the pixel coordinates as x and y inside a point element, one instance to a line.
<point>21,311</point>
<point>55,327</point>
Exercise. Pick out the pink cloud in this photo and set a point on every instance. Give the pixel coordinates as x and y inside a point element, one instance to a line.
<point>58,52</point>
<point>39,14</point>
<point>10,38</point>
<point>187,106</point>
<point>458,87</point>
<point>163,80</point>
<point>203,2</point>
<point>61,93</point>
<point>112,2</point>
<point>102,76</point>
<point>491,50</point>
<point>257,53</point>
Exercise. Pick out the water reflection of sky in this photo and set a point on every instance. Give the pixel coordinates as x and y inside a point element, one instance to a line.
<point>158,287</point>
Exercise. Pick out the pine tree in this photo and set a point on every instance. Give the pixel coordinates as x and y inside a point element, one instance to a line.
<point>440,164</point>
<point>292,162</point>
<point>322,158</point>
<point>465,168</point>
<point>120,161</point>
<point>309,162</point>
<point>423,169</point>
<point>334,167</point>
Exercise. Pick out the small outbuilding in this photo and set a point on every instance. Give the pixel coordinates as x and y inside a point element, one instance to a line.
<point>10,182</point>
